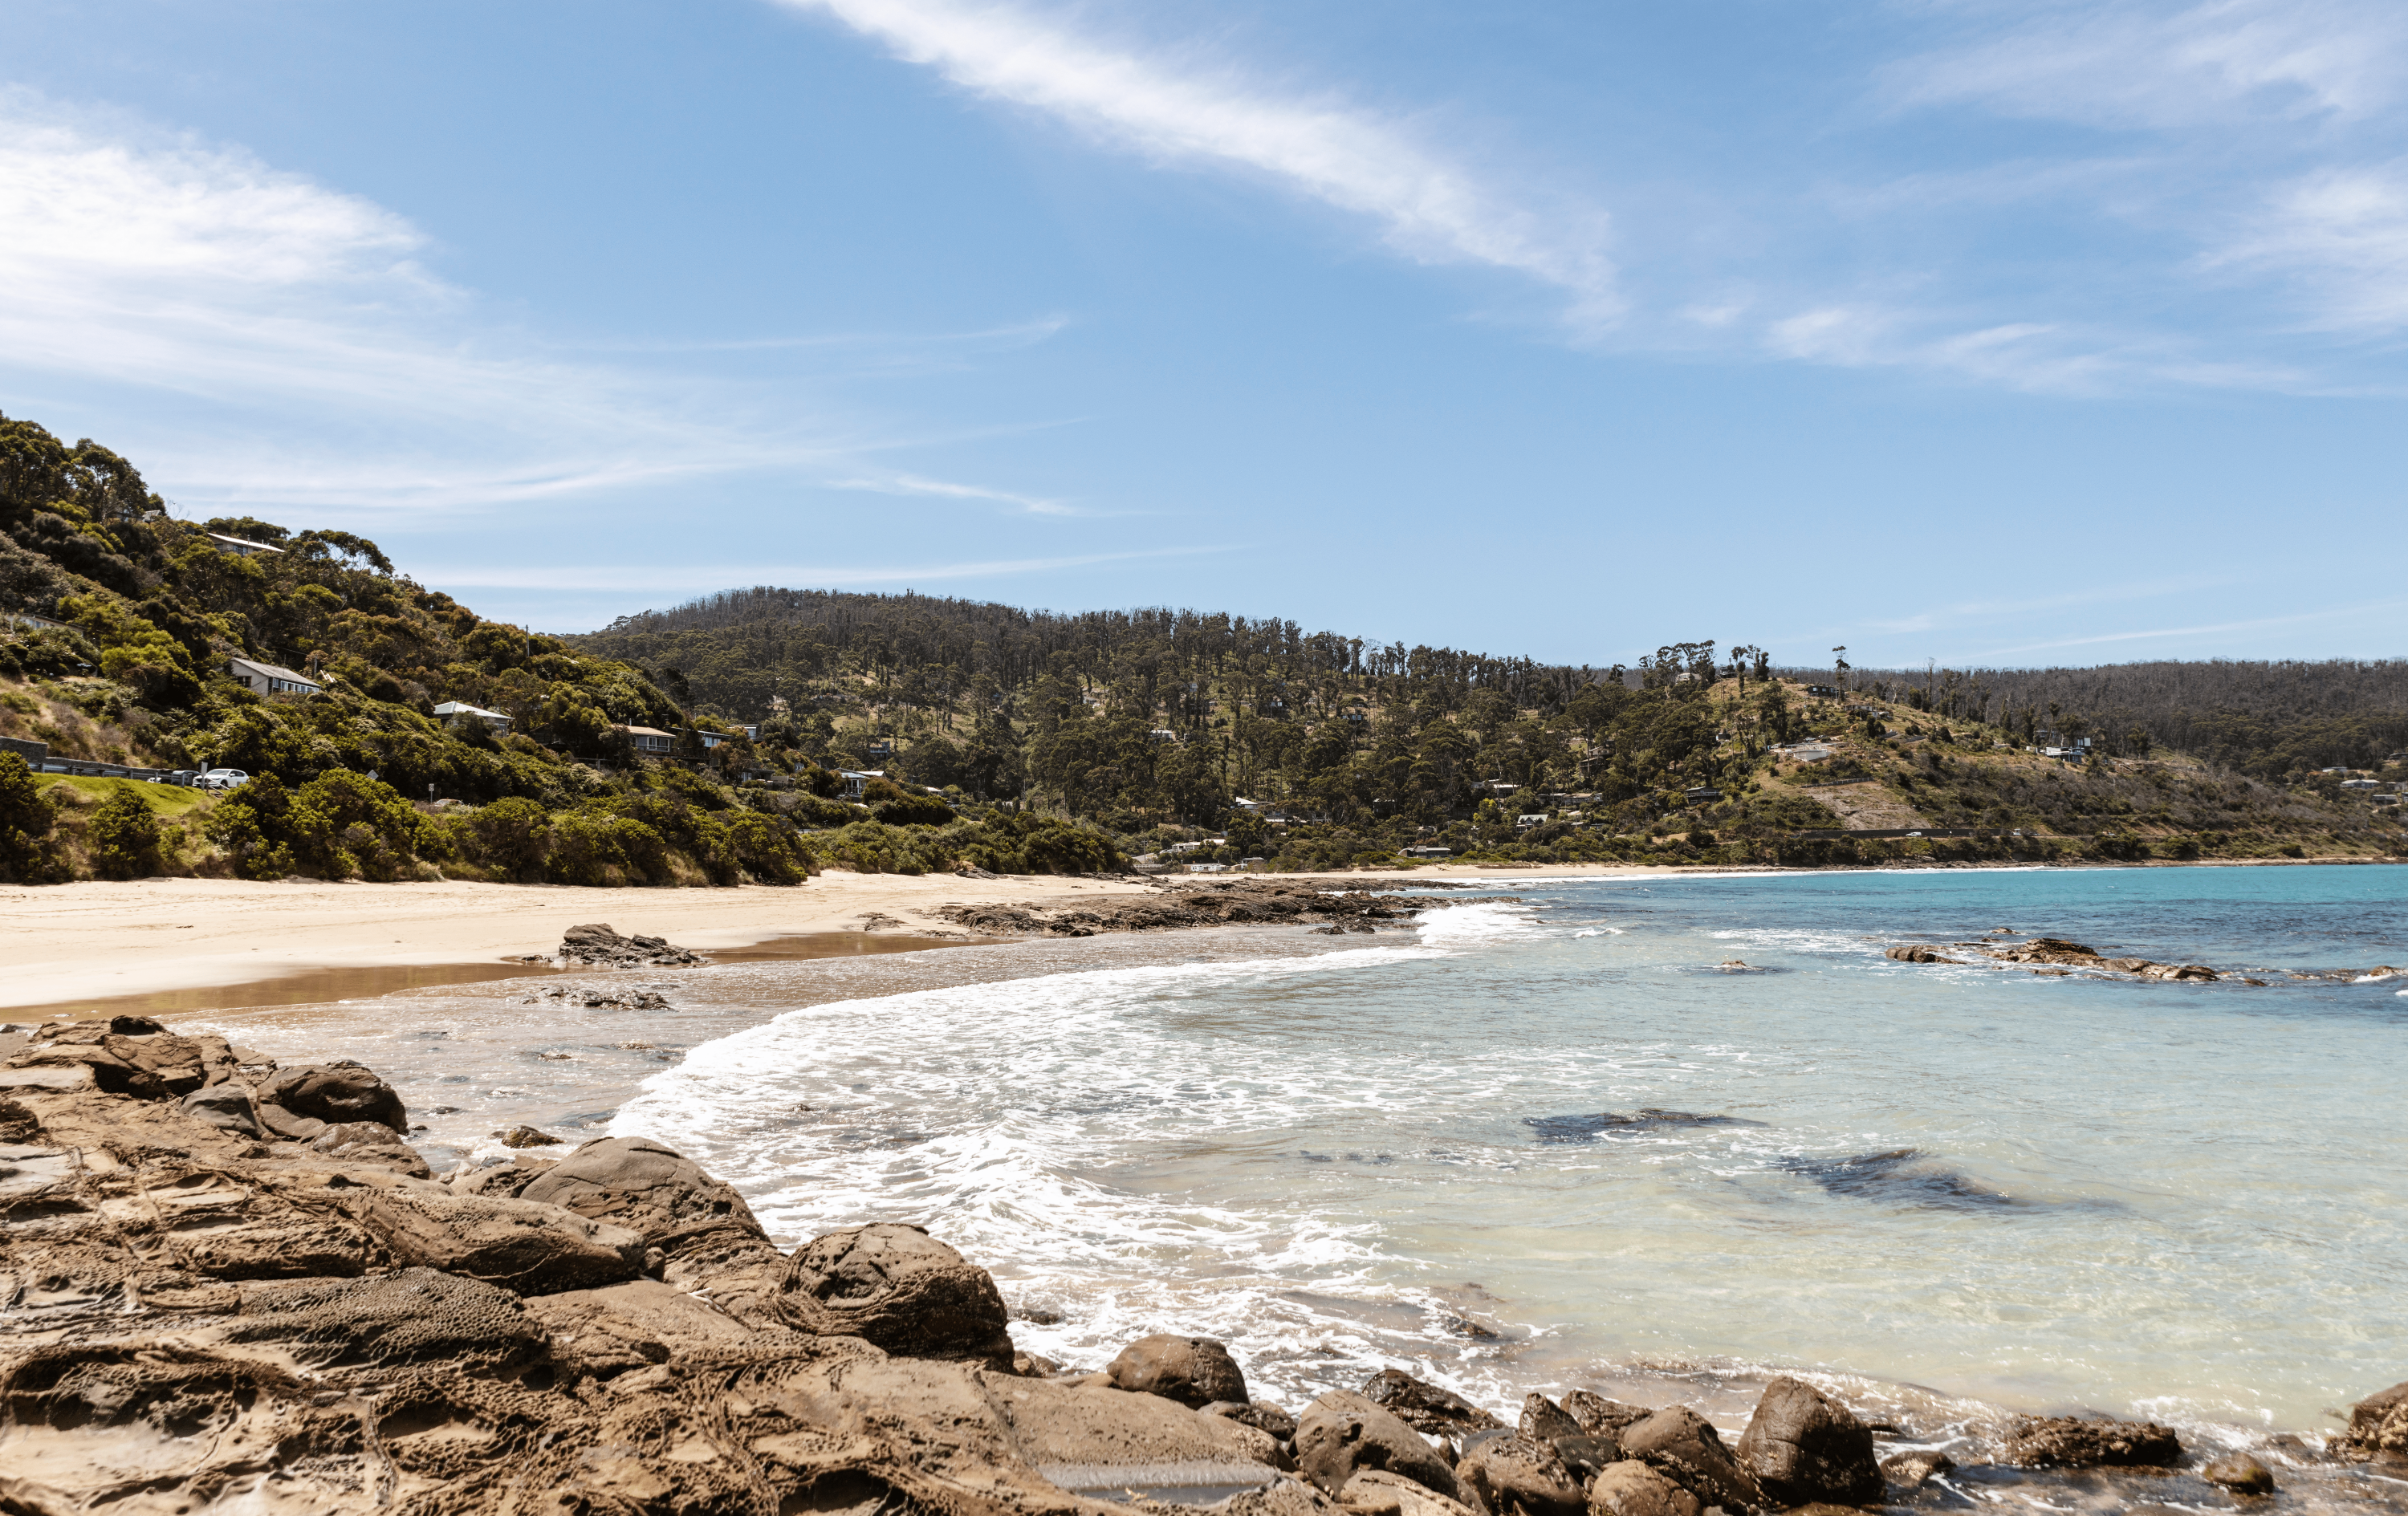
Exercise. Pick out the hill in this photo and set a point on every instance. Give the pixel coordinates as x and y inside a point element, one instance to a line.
<point>1320,749</point>
<point>118,625</point>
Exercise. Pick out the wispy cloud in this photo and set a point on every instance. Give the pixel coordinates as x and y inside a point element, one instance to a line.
<point>2340,234</point>
<point>1184,110</point>
<point>2145,64</point>
<point>910,484</point>
<point>2257,623</point>
<point>706,576</point>
<point>330,366</point>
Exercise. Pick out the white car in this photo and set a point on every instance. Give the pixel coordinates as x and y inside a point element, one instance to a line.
<point>222,779</point>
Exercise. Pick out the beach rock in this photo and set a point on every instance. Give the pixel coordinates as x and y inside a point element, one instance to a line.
<point>521,1245</point>
<point>2379,1423</point>
<point>2073,1442</point>
<point>1342,1433</point>
<point>1601,1417</point>
<point>1194,1371</point>
<point>2199,973</point>
<point>1256,1414</point>
<point>371,1142</point>
<point>896,1286</point>
<point>1630,1488</point>
<point>596,943</point>
<point>1423,1407</point>
<point>226,1104</point>
<point>1910,1470</point>
<point>328,1094</point>
<point>1802,1446</point>
<point>503,1182</point>
<point>132,1055</point>
<point>416,1316</point>
<point>1684,1448</point>
<point>1055,1423</point>
<point>657,1193</point>
<point>1517,1473</point>
<point>1375,1491</point>
<point>1543,1419</point>
<point>526,1136</point>
<point>622,1327</point>
<point>1916,953</point>
<point>2241,1474</point>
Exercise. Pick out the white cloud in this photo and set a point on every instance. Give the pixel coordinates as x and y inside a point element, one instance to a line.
<point>946,489</point>
<point>707,577</point>
<point>1429,209</point>
<point>2341,234</point>
<point>328,366</point>
<point>2151,65</point>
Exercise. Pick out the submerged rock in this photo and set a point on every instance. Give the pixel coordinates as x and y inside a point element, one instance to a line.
<point>2241,1474</point>
<point>1911,1469</point>
<point>596,943</point>
<point>2074,1442</point>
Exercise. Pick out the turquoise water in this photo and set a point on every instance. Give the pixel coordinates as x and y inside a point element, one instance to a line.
<point>1958,1187</point>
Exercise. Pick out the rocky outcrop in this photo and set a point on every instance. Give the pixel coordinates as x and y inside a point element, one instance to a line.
<point>1342,1433</point>
<point>1517,1472</point>
<point>1375,1491</point>
<point>2064,952</point>
<point>1917,953</point>
<point>596,944</point>
<point>1803,1447</point>
<point>2378,1427</point>
<point>1427,1407</point>
<point>1684,1448</point>
<point>2078,1442</point>
<point>1194,1371</point>
<point>1173,906</point>
<point>1630,1488</point>
<point>896,1286</point>
<point>2240,1473</point>
<point>301,1103</point>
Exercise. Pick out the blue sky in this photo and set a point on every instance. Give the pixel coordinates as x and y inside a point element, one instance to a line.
<point>1990,333</point>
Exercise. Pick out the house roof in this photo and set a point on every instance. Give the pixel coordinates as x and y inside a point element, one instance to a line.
<point>641,731</point>
<point>461,708</point>
<point>277,671</point>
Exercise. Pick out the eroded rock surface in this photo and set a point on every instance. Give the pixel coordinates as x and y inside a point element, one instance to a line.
<point>595,943</point>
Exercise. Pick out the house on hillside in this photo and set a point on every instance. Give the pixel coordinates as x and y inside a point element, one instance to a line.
<point>29,622</point>
<point>240,547</point>
<point>459,713</point>
<point>648,742</point>
<point>856,781</point>
<point>271,678</point>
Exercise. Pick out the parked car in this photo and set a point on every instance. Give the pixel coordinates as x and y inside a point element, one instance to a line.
<point>184,777</point>
<point>222,779</point>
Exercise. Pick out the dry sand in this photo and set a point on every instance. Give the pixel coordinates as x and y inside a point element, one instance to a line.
<point>70,942</point>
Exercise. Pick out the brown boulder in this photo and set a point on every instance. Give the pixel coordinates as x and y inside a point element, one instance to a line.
<point>1917,953</point>
<point>226,1104</point>
<point>300,1103</point>
<point>1522,1474</point>
<point>1601,1417</point>
<point>1341,1434</point>
<point>1802,1446</point>
<point>2074,1442</point>
<point>650,1189</point>
<point>1543,1419</point>
<point>1375,1491</point>
<point>1684,1448</point>
<point>1194,1371</point>
<point>1630,1488</point>
<point>2241,1474</point>
<point>1424,1407</point>
<point>893,1285</point>
<point>517,1244</point>
<point>2379,1423</point>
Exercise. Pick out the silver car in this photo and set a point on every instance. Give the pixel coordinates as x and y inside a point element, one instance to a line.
<point>222,779</point>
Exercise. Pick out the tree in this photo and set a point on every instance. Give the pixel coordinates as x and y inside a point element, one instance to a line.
<point>125,836</point>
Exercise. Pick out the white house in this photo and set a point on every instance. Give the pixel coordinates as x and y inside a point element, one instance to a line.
<point>269,679</point>
<point>648,739</point>
<point>455,713</point>
<point>239,547</point>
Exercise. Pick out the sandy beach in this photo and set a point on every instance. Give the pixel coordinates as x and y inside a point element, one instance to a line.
<point>90,940</point>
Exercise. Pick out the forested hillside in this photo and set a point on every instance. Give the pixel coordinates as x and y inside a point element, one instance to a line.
<point>117,623</point>
<point>1312,749</point>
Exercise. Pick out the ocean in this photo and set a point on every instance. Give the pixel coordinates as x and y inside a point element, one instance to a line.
<point>1558,1142</point>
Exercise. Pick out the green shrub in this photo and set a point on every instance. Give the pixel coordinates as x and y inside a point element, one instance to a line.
<point>28,853</point>
<point>513,837</point>
<point>912,810</point>
<point>766,849</point>
<point>125,837</point>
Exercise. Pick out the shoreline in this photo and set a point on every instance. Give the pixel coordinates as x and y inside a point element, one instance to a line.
<point>169,944</point>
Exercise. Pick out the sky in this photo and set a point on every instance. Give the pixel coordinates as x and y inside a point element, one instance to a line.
<point>1993,334</point>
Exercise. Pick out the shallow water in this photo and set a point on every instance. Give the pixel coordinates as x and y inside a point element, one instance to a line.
<point>1467,1150</point>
